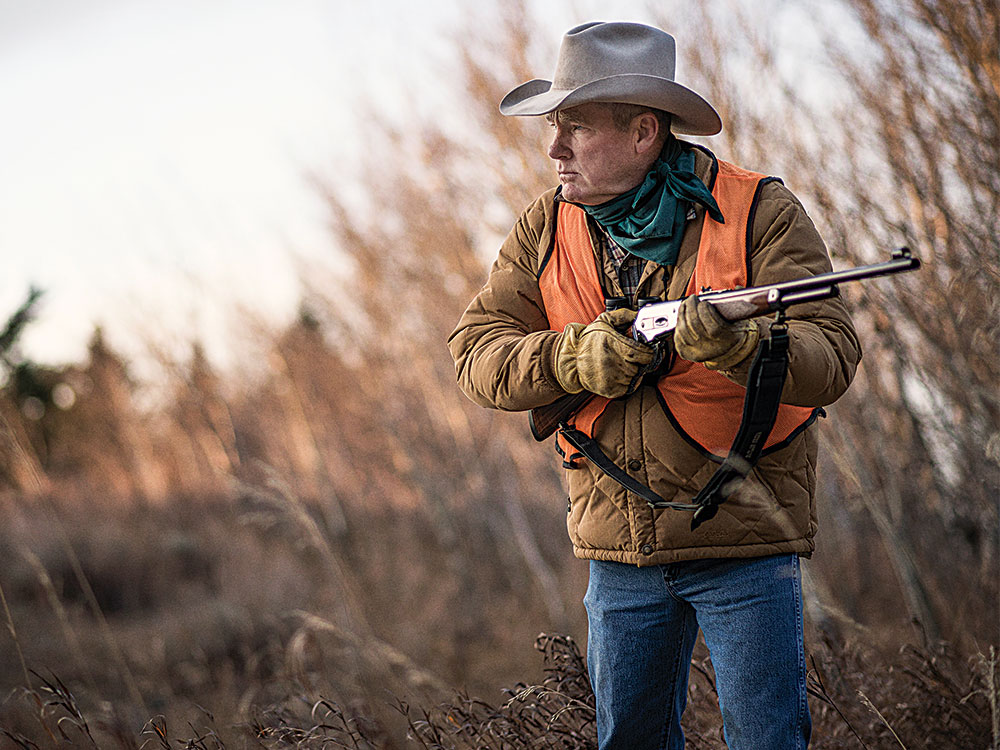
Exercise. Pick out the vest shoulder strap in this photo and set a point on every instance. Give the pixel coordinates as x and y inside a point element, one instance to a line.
<point>569,279</point>
<point>720,263</point>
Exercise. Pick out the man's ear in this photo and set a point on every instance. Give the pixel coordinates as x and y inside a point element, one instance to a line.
<point>646,133</point>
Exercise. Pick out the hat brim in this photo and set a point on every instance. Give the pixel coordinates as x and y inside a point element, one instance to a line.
<point>692,115</point>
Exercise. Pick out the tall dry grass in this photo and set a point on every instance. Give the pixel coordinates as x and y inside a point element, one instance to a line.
<point>901,150</point>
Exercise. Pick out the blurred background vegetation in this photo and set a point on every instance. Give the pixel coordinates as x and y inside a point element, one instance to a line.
<point>337,544</point>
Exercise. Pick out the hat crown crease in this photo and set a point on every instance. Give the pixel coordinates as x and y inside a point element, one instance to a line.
<point>606,50</point>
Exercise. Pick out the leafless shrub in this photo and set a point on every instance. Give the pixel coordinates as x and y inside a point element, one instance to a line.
<point>923,698</point>
<point>900,150</point>
<point>302,723</point>
<point>559,713</point>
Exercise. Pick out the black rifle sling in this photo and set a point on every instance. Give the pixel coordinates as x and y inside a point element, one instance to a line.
<point>760,409</point>
<point>592,451</point>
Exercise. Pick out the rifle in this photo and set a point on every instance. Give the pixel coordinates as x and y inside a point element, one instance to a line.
<point>659,319</point>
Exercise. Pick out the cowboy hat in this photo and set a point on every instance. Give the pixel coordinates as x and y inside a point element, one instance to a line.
<point>616,62</point>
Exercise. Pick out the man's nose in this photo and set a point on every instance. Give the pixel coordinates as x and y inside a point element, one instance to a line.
<point>558,149</point>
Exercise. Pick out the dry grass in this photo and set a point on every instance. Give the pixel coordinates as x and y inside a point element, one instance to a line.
<point>241,638</point>
<point>927,700</point>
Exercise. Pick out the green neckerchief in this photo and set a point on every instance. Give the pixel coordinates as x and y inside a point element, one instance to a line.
<point>648,220</point>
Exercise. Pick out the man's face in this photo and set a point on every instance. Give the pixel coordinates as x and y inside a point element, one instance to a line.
<point>595,159</point>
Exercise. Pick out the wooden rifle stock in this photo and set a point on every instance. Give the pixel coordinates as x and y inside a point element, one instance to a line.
<point>545,420</point>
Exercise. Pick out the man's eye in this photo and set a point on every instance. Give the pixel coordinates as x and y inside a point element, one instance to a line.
<point>570,127</point>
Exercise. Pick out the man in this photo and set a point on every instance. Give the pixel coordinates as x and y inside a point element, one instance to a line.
<point>640,215</point>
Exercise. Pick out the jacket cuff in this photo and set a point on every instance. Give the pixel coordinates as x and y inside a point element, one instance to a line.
<point>547,360</point>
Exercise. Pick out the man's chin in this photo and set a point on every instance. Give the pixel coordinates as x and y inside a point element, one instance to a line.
<point>575,195</point>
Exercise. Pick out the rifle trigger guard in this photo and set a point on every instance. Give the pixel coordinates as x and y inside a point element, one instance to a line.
<point>649,374</point>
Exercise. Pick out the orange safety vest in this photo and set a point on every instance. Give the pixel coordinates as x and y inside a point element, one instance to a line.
<point>703,405</point>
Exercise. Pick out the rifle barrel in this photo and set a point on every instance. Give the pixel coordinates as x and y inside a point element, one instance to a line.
<point>901,261</point>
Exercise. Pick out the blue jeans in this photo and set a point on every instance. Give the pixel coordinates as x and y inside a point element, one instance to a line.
<point>643,625</point>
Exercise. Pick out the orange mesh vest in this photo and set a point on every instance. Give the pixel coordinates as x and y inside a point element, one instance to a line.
<point>703,405</point>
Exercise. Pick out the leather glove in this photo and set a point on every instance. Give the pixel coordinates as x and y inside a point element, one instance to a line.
<point>703,335</point>
<point>599,359</point>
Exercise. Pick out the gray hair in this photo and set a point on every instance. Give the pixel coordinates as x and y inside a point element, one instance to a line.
<point>622,115</point>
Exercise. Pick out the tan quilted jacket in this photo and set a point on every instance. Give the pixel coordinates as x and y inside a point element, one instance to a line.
<point>503,351</point>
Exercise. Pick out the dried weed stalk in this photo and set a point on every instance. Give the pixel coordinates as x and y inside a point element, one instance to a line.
<point>559,713</point>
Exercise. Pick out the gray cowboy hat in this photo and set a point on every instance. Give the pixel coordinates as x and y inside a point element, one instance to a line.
<point>616,62</point>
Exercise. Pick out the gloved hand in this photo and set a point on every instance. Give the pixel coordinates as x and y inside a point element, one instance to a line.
<point>599,359</point>
<point>702,335</point>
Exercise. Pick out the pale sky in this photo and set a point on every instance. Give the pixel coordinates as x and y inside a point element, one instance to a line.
<point>153,152</point>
